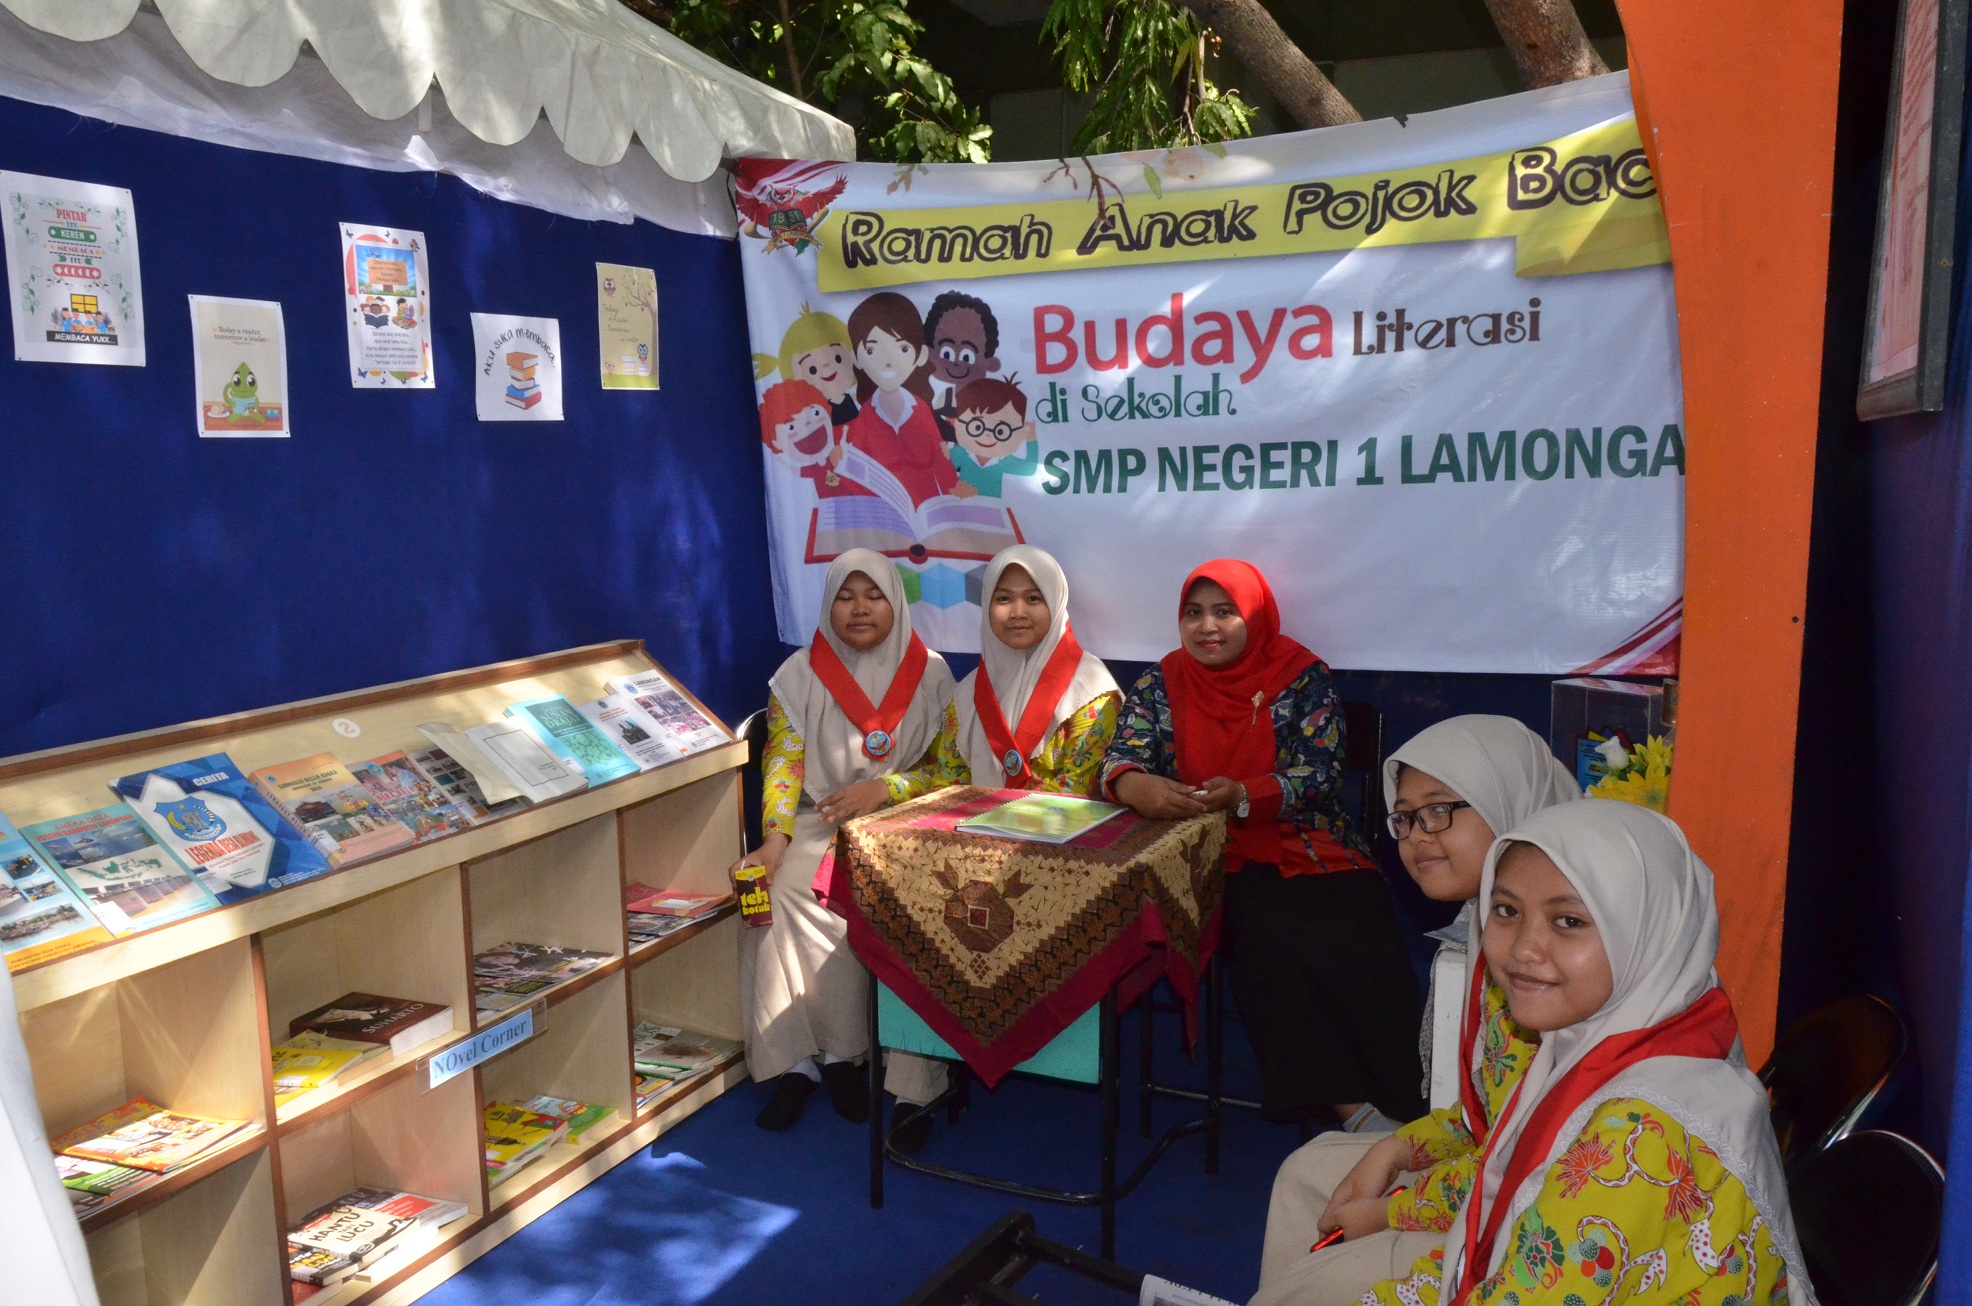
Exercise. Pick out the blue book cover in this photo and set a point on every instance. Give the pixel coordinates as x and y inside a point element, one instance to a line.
<point>41,915</point>
<point>213,820</point>
<point>571,737</point>
<point>108,856</point>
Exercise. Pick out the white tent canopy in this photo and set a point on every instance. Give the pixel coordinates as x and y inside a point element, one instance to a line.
<point>233,71</point>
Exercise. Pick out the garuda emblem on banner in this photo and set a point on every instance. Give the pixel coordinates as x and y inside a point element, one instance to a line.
<point>774,207</point>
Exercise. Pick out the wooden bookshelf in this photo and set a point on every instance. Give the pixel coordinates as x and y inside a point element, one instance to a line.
<point>185,1014</point>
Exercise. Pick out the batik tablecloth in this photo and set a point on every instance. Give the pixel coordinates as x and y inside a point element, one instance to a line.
<point>1000,944</point>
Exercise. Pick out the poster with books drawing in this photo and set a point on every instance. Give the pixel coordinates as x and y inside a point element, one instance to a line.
<point>626,321</point>
<point>517,374</point>
<point>240,367</point>
<point>72,275</point>
<point>386,289</point>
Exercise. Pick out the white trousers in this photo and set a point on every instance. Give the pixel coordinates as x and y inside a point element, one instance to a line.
<point>1339,1274</point>
<point>802,990</point>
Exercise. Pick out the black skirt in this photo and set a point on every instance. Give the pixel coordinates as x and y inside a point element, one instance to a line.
<point>1326,991</point>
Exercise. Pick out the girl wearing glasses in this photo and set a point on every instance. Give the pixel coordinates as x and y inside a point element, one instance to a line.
<point>1449,790</point>
<point>1243,720</point>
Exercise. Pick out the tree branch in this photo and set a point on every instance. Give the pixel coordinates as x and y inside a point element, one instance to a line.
<point>1256,40</point>
<point>1546,40</point>
<point>794,57</point>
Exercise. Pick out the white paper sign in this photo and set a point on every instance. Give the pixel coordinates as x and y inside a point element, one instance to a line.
<point>72,275</point>
<point>386,289</point>
<point>240,367</point>
<point>516,368</point>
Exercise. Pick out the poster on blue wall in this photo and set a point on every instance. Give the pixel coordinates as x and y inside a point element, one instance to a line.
<point>72,274</point>
<point>516,368</point>
<point>386,287</point>
<point>240,367</point>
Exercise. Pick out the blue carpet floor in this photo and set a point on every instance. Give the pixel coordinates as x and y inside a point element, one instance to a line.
<point>721,1213</point>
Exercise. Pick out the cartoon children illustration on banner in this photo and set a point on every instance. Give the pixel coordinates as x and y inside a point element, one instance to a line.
<point>896,421</point>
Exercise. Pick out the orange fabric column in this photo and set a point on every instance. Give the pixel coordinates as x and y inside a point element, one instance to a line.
<point>1740,104</point>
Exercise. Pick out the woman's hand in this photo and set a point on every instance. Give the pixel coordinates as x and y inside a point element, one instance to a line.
<point>767,856</point>
<point>1155,797</point>
<point>1360,1218</point>
<point>1365,1187</point>
<point>852,801</point>
<point>1221,795</point>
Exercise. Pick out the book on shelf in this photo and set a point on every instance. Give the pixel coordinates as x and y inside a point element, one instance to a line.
<point>399,1024</point>
<point>215,822</point>
<point>507,761</point>
<point>512,974</point>
<point>649,1086</point>
<point>311,1059</point>
<point>402,788</point>
<point>516,1136</point>
<point>577,1118</point>
<point>129,880</point>
<point>142,1135</point>
<point>671,902</point>
<point>645,927</point>
<point>678,1053</point>
<point>41,916</point>
<point>619,719</point>
<point>340,816</point>
<point>460,789</point>
<point>92,1185</point>
<point>681,728</point>
<point>318,1269</point>
<point>573,738</point>
<point>299,1292</point>
<point>365,1224</point>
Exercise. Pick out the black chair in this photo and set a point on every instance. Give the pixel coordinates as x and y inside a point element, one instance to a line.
<point>1868,1210</point>
<point>1362,757</point>
<point>1826,1070</point>
<point>753,732</point>
<point>996,1260</point>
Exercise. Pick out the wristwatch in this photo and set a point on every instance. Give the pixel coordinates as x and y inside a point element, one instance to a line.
<point>1245,807</point>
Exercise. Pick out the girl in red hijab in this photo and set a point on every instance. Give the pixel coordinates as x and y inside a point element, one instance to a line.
<point>1244,720</point>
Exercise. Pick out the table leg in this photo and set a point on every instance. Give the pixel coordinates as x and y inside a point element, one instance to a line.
<point>1146,1070</point>
<point>1112,1110</point>
<point>1215,1050</point>
<point>876,1105</point>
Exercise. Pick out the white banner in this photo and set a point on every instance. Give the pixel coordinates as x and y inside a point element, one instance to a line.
<point>1423,375</point>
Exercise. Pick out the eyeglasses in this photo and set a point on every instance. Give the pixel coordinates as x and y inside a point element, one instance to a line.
<point>998,432</point>
<point>1432,818</point>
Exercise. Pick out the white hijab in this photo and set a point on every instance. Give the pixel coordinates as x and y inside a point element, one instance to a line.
<point>1651,900</point>
<point>1015,672</point>
<point>832,745</point>
<point>1502,768</point>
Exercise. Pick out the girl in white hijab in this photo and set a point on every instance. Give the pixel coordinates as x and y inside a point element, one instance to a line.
<point>1038,712</point>
<point>1636,1152</point>
<point>1449,791</point>
<point>861,701</point>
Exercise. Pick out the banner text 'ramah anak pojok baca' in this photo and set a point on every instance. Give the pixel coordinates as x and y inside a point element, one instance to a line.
<point>1424,375</point>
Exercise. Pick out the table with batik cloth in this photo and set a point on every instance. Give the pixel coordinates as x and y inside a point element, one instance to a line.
<point>999,944</point>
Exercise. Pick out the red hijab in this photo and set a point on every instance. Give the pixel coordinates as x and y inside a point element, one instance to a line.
<point>1222,717</point>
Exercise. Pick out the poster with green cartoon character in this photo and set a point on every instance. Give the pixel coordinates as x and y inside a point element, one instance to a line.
<point>240,367</point>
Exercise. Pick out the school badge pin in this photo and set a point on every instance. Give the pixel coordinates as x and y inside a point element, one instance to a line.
<point>878,743</point>
<point>1011,763</point>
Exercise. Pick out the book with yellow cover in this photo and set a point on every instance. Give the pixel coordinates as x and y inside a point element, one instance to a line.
<point>310,1060</point>
<point>341,818</point>
<point>144,1136</point>
<point>515,1136</point>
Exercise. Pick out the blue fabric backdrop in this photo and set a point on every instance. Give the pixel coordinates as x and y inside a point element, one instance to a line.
<point>149,577</point>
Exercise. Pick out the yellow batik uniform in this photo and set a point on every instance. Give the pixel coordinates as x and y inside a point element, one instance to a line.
<point>1636,1208</point>
<point>1440,1144</point>
<point>1066,763</point>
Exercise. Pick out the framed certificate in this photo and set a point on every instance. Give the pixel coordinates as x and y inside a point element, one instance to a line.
<point>1906,336</point>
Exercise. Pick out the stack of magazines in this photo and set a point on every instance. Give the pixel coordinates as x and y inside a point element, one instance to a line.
<point>514,974</point>
<point>117,1155</point>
